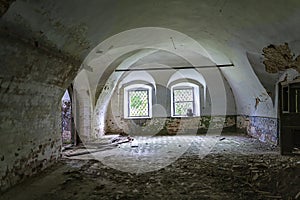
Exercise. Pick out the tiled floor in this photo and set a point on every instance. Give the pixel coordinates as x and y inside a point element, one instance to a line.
<point>145,154</point>
<point>175,167</point>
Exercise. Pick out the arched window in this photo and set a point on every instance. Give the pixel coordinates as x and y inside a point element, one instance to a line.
<point>185,100</point>
<point>138,101</point>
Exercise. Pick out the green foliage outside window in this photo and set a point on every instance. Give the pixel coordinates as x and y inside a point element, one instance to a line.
<point>138,103</point>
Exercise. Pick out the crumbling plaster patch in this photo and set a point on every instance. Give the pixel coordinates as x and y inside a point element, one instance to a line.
<point>279,58</point>
<point>263,128</point>
<point>170,125</point>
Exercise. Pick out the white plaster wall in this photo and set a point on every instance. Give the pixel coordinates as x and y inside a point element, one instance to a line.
<point>220,28</point>
<point>194,54</point>
<point>225,31</point>
<point>222,32</point>
<point>82,106</point>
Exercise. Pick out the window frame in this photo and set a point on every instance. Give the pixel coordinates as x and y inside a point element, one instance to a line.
<point>179,102</point>
<point>285,99</point>
<point>137,87</point>
<point>196,98</point>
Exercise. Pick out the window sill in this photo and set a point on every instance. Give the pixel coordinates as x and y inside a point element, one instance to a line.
<point>137,118</point>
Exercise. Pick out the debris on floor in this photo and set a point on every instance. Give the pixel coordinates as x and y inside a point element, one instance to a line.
<point>236,168</point>
<point>121,139</point>
<point>95,147</point>
<point>296,151</point>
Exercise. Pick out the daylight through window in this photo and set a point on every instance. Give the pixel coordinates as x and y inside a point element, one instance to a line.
<point>183,101</point>
<point>138,103</point>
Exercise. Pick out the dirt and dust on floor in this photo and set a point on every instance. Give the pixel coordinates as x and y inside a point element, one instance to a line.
<point>236,167</point>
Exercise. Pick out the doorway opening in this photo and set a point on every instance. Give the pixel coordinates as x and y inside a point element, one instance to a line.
<point>66,118</point>
<point>289,104</point>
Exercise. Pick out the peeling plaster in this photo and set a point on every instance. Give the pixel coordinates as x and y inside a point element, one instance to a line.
<point>279,58</point>
<point>49,26</point>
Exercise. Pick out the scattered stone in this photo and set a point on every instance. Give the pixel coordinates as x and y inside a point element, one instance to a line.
<point>255,177</point>
<point>135,191</point>
<point>242,172</point>
<point>100,187</point>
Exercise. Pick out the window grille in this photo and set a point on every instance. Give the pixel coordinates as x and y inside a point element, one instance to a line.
<point>183,100</point>
<point>138,103</point>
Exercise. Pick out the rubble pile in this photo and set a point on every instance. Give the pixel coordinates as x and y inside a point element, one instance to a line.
<point>228,172</point>
<point>236,168</point>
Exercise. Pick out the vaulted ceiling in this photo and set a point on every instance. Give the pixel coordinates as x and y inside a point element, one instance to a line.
<point>228,30</point>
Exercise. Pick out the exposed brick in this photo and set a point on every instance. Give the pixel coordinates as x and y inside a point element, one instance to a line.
<point>31,86</point>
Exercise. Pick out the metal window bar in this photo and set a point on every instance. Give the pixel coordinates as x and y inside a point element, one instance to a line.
<point>184,98</point>
<point>138,103</point>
